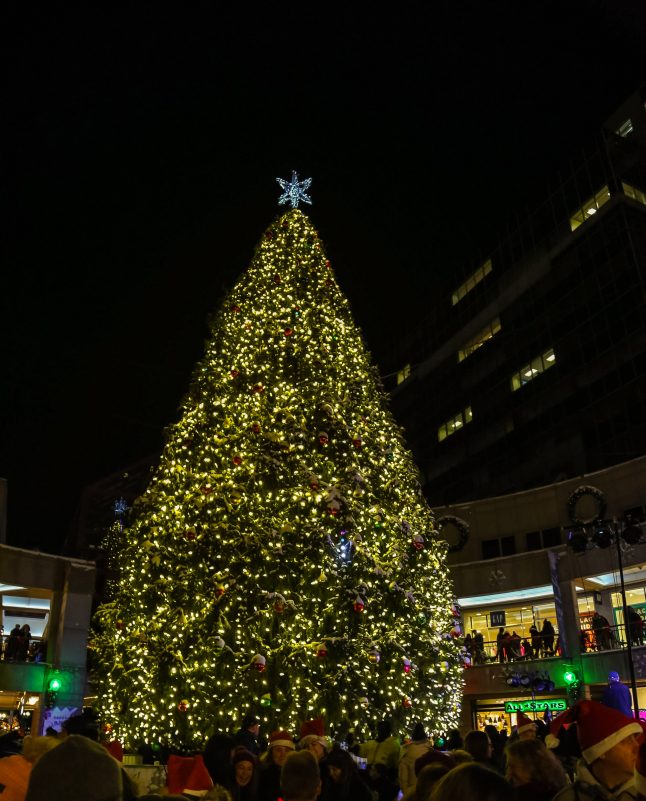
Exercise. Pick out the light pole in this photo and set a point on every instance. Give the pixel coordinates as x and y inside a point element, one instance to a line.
<point>603,532</point>
<point>624,604</point>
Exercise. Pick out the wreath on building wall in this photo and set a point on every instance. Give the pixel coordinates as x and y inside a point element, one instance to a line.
<point>575,497</point>
<point>462,528</point>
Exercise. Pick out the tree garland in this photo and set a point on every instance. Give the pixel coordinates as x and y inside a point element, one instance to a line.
<point>463,530</point>
<point>575,497</point>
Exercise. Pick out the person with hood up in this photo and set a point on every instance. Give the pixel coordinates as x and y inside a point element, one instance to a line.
<point>410,753</point>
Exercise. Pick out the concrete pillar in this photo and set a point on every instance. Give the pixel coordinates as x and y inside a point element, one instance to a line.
<point>567,609</point>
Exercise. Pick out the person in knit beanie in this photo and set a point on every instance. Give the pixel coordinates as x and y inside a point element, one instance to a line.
<point>77,770</point>
<point>609,747</point>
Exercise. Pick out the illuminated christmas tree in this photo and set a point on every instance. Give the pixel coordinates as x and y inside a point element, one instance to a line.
<point>282,558</point>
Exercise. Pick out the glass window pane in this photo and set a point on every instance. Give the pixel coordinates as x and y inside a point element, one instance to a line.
<point>471,282</point>
<point>536,366</point>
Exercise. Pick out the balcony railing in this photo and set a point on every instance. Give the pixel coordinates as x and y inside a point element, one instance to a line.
<point>590,641</point>
<point>35,650</point>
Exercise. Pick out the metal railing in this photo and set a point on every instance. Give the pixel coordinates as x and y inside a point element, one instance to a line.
<point>591,641</point>
<point>33,651</point>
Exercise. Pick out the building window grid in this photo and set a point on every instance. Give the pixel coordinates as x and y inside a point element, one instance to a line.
<point>454,424</point>
<point>471,282</point>
<point>479,339</point>
<point>590,208</point>
<point>634,193</point>
<point>530,371</point>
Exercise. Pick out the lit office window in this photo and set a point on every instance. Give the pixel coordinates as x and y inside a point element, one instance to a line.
<point>589,208</point>
<point>634,193</point>
<point>471,282</point>
<point>454,424</point>
<point>625,128</point>
<point>530,371</point>
<point>479,339</point>
<point>403,374</point>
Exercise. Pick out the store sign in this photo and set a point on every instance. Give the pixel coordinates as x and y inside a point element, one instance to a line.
<point>553,705</point>
<point>56,717</point>
<point>497,618</point>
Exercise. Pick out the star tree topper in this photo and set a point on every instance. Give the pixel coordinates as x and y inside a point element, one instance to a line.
<point>294,190</point>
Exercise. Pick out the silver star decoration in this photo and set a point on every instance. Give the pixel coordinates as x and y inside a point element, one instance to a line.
<point>294,190</point>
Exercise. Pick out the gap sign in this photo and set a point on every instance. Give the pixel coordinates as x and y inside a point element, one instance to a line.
<point>554,705</point>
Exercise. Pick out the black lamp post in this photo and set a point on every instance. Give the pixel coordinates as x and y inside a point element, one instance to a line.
<point>604,532</point>
<point>631,666</point>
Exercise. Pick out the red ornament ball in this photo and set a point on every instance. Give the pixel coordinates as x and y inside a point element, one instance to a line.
<point>236,459</point>
<point>257,388</point>
<point>289,331</point>
<point>327,264</point>
<point>279,606</point>
<point>276,279</point>
<point>321,653</point>
<point>219,591</point>
<point>234,373</point>
<point>407,703</point>
<point>255,427</point>
<point>182,706</point>
<point>359,604</point>
<point>259,663</point>
<point>190,534</point>
<point>235,308</point>
<point>418,542</point>
<point>324,437</point>
<point>207,489</point>
<point>119,625</point>
<point>357,442</point>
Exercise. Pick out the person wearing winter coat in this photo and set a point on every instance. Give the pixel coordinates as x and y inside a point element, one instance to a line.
<point>609,748</point>
<point>409,754</point>
<point>617,695</point>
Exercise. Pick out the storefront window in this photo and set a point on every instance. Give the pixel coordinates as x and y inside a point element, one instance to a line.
<point>497,711</point>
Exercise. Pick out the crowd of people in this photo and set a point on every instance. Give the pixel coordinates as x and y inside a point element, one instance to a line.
<point>17,644</point>
<point>591,751</point>
<point>597,635</point>
<point>511,647</point>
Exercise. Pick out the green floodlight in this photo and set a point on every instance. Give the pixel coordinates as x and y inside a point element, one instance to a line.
<point>54,685</point>
<point>570,678</point>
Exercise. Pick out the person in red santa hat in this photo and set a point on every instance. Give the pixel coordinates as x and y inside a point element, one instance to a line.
<point>609,746</point>
<point>525,727</point>
<point>280,745</point>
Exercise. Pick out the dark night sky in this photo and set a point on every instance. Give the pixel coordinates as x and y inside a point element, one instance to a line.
<point>139,168</point>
